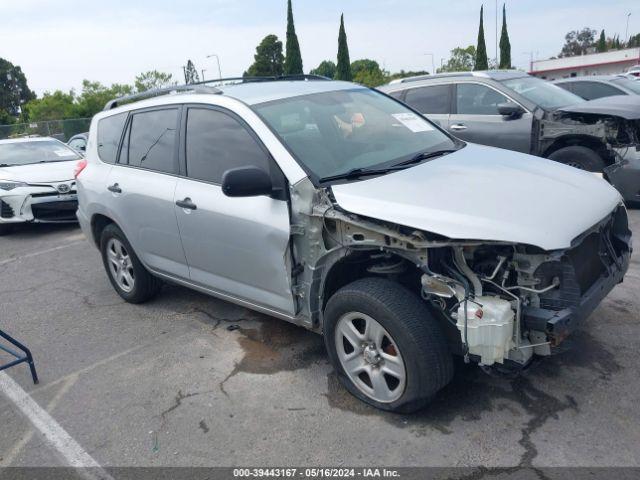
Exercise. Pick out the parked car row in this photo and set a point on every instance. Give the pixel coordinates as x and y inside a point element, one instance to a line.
<point>342,210</point>
<point>513,110</point>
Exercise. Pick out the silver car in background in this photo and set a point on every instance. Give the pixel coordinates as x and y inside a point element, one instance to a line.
<point>600,86</point>
<point>37,182</point>
<point>339,209</point>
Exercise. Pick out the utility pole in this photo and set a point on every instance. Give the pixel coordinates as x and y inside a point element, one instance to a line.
<point>217,60</point>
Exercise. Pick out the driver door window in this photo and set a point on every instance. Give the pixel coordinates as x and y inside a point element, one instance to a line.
<point>474,99</point>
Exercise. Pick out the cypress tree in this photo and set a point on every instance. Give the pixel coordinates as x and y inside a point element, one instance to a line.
<point>481,50</point>
<point>505,44</point>
<point>343,70</point>
<point>293,58</point>
<point>602,43</point>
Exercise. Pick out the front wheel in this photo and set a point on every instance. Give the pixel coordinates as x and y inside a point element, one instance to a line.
<point>129,277</point>
<point>386,347</point>
<point>579,157</point>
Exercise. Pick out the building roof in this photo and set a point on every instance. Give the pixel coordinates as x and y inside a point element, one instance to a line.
<point>628,55</point>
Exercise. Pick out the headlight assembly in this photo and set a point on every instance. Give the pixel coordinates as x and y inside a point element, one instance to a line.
<point>11,184</point>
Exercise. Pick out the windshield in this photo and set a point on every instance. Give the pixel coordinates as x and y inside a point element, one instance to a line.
<point>542,93</point>
<point>25,153</point>
<point>332,133</point>
<point>632,85</point>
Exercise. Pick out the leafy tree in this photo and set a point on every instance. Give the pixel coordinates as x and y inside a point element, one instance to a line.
<point>14,91</point>
<point>578,42</point>
<point>406,74</point>
<point>343,69</point>
<point>190,73</point>
<point>367,72</point>
<point>602,43</point>
<point>461,60</point>
<point>634,41</point>
<point>94,96</point>
<point>293,59</point>
<point>268,60</point>
<point>505,44</point>
<point>51,106</point>
<point>481,62</point>
<point>326,68</point>
<point>153,79</point>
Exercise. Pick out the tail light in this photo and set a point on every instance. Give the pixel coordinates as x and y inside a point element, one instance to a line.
<point>80,166</point>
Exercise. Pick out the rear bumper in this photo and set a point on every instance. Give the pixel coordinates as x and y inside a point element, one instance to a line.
<point>559,324</point>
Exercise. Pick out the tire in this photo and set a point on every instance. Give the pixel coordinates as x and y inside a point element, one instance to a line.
<point>137,285</point>
<point>409,331</point>
<point>579,157</point>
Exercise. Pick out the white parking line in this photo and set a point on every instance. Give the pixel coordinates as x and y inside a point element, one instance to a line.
<point>54,434</point>
<point>41,252</point>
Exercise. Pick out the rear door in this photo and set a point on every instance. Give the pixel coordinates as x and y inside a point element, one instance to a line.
<point>433,101</point>
<point>476,119</point>
<point>142,185</point>
<point>237,247</point>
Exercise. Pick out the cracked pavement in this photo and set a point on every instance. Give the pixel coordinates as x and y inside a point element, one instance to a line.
<point>189,380</point>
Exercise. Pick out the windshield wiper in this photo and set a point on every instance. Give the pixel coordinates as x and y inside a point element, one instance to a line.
<point>361,172</point>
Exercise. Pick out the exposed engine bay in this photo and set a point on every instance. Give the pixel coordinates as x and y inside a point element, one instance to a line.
<point>497,302</point>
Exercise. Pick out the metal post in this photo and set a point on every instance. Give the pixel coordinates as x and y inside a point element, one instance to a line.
<point>626,33</point>
<point>218,61</point>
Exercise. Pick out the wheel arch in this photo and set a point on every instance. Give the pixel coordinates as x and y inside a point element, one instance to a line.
<point>587,141</point>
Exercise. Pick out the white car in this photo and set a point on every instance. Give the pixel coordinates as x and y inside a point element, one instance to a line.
<point>36,182</point>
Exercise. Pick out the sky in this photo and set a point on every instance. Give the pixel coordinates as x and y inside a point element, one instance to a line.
<point>58,43</point>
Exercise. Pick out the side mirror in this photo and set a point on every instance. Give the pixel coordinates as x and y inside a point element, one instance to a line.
<point>246,182</point>
<point>510,109</point>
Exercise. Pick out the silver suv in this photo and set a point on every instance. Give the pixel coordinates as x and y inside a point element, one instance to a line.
<point>339,209</point>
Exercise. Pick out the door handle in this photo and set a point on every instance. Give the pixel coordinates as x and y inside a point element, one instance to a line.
<point>187,203</point>
<point>458,126</point>
<point>115,188</point>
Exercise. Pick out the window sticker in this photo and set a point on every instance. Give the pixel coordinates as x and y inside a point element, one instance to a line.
<point>413,122</point>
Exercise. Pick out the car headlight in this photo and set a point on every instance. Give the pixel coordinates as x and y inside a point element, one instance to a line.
<point>11,184</point>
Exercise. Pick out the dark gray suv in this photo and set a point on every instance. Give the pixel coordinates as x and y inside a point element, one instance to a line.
<point>513,110</point>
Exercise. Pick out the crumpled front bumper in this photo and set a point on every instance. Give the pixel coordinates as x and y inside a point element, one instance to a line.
<point>624,175</point>
<point>50,203</point>
<point>558,323</point>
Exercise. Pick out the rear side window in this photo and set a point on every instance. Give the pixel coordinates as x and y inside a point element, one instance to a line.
<point>427,100</point>
<point>593,90</point>
<point>152,140</point>
<point>474,99</point>
<point>217,142</point>
<point>109,133</point>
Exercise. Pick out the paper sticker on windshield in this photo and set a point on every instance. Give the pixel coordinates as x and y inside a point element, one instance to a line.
<point>62,153</point>
<point>413,122</point>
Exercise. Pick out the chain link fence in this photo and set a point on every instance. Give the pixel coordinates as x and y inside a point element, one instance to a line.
<point>61,129</point>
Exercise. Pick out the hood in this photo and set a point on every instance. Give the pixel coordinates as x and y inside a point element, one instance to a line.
<point>40,172</point>
<point>625,106</point>
<point>484,193</point>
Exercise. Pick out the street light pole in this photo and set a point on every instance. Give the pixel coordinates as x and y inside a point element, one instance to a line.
<point>433,67</point>
<point>218,61</point>
<point>626,33</point>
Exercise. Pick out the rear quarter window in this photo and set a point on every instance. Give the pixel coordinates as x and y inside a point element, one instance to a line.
<point>109,133</point>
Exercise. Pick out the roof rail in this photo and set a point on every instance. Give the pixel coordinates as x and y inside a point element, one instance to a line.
<point>195,88</point>
<point>203,87</point>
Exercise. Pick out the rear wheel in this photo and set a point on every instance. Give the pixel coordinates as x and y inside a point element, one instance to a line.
<point>579,157</point>
<point>385,345</point>
<point>128,276</point>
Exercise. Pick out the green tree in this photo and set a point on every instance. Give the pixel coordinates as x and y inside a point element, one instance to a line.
<point>293,59</point>
<point>153,79</point>
<point>505,44</point>
<point>634,41</point>
<point>14,91</point>
<point>405,74</point>
<point>94,96</point>
<point>461,60</point>
<point>51,106</point>
<point>367,72</point>
<point>602,43</point>
<point>326,68</point>
<point>268,60</point>
<point>481,62</point>
<point>343,69</point>
<point>578,42</point>
<point>190,73</point>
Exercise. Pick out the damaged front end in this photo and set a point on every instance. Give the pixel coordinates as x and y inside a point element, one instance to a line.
<point>614,135</point>
<point>498,302</point>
